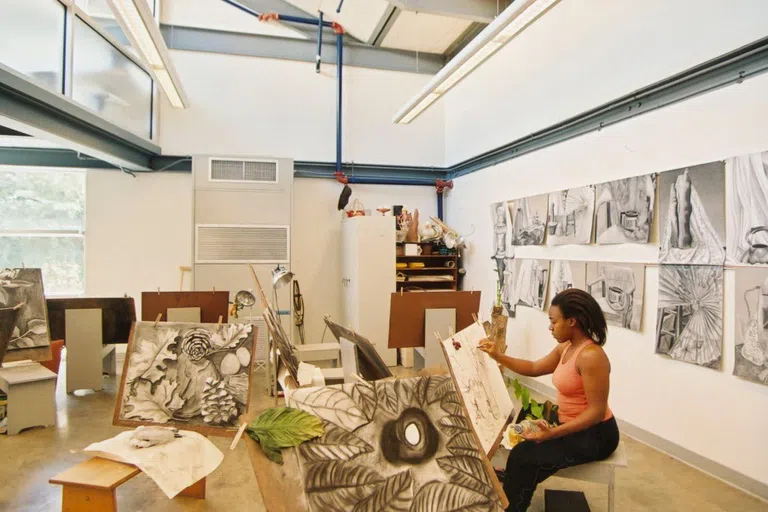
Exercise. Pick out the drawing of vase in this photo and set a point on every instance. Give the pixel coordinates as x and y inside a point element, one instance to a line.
<point>757,251</point>
<point>629,220</point>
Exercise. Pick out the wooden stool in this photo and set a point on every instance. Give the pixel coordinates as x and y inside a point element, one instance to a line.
<point>31,390</point>
<point>601,471</point>
<point>319,352</point>
<point>91,485</point>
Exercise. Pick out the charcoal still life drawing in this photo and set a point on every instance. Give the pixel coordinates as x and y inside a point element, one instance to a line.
<point>500,228</point>
<point>571,213</point>
<point>529,218</point>
<point>25,286</point>
<point>747,218</point>
<point>624,210</point>
<point>618,289</point>
<point>394,445</point>
<point>689,325</point>
<point>692,215</point>
<point>532,277</point>
<point>566,274</point>
<point>751,361</point>
<point>480,384</point>
<point>193,376</point>
<point>508,299</point>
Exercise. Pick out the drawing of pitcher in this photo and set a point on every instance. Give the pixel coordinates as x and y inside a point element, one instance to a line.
<point>757,251</point>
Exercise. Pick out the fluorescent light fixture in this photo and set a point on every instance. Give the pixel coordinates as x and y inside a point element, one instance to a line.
<point>511,22</point>
<point>136,20</point>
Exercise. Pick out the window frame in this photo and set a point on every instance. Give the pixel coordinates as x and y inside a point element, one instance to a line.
<point>68,233</point>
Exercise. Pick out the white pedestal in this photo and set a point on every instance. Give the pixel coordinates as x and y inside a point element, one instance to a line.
<point>191,315</point>
<point>31,391</point>
<point>84,349</point>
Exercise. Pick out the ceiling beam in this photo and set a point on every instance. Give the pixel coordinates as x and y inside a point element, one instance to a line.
<point>384,25</point>
<point>481,11</point>
<point>29,108</point>
<point>272,47</point>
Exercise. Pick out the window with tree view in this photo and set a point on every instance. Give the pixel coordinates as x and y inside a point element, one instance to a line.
<point>42,225</point>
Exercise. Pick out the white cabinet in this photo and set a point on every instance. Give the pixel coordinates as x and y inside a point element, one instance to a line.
<point>368,278</point>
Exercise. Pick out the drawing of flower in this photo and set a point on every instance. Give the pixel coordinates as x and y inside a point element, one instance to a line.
<point>196,343</point>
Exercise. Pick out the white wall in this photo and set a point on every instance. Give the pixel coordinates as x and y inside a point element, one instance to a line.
<point>316,240</point>
<point>584,53</point>
<point>251,106</point>
<point>138,232</point>
<point>680,402</point>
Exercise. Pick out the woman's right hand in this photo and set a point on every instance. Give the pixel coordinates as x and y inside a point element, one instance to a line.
<point>489,347</point>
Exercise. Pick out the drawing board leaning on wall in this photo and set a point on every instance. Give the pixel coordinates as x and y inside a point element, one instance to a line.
<point>751,357</point>
<point>692,215</point>
<point>618,288</point>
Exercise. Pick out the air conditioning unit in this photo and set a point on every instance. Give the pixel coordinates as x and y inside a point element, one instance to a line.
<point>240,170</point>
<point>242,243</point>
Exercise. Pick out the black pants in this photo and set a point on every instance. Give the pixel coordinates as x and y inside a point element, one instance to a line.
<point>531,463</point>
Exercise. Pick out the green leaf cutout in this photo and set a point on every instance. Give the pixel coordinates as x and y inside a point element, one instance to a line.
<point>283,427</point>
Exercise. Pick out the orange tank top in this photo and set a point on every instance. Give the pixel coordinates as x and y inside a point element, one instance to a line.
<point>571,398</point>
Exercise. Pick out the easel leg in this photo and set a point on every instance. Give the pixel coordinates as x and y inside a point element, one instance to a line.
<point>196,490</point>
<point>83,499</point>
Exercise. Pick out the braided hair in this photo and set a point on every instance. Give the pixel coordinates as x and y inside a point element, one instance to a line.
<point>583,308</point>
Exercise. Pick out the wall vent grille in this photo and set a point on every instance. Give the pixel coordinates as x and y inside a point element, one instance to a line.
<point>248,171</point>
<point>231,243</point>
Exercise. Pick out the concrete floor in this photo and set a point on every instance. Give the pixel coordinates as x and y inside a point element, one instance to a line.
<point>652,482</point>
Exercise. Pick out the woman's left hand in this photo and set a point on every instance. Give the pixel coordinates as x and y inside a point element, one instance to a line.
<point>538,437</point>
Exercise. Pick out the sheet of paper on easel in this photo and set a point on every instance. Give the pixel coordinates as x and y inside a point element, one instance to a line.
<point>480,384</point>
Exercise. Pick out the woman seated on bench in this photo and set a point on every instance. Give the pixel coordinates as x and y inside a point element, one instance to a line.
<point>580,371</point>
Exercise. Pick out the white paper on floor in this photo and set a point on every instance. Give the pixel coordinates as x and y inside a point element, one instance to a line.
<point>173,466</point>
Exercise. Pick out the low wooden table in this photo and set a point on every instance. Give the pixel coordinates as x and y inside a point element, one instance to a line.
<point>31,390</point>
<point>90,486</point>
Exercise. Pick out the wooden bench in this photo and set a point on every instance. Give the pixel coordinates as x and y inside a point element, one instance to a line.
<point>91,485</point>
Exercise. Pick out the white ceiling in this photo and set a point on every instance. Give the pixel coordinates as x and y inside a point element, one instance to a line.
<point>424,32</point>
<point>358,17</point>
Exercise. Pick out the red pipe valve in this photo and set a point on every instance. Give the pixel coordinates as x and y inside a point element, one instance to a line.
<point>440,185</point>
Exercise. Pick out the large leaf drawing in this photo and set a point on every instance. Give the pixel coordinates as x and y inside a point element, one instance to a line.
<point>335,444</point>
<point>283,427</point>
<point>151,402</point>
<point>230,335</point>
<point>331,404</point>
<point>364,396</point>
<point>453,425</point>
<point>37,326</point>
<point>450,498</point>
<point>386,396</point>
<point>438,387</point>
<point>468,472</point>
<point>451,403</point>
<point>463,444</point>
<point>395,495</point>
<point>339,486</point>
<point>150,356</point>
<point>405,389</point>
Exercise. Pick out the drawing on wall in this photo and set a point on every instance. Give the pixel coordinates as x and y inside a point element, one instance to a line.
<point>500,228</point>
<point>624,210</point>
<point>751,361</point>
<point>689,325</point>
<point>196,376</point>
<point>571,214</point>
<point>747,218</point>
<point>394,445</point>
<point>532,277</point>
<point>529,218</point>
<point>566,274</point>
<point>618,288</point>
<point>508,299</point>
<point>480,384</point>
<point>692,214</point>
<point>25,286</point>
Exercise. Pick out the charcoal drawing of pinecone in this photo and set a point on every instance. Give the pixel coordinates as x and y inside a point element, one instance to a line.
<point>219,406</point>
